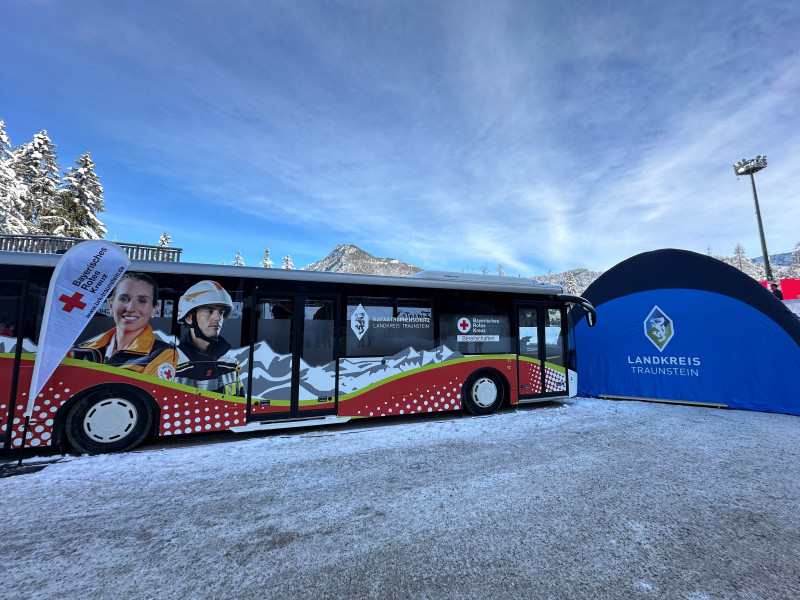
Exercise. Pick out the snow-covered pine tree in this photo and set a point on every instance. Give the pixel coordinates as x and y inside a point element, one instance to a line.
<point>12,191</point>
<point>5,143</point>
<point>740,256</point>
<point>500,270</point>
<point>82,197</point>
<point>266,262</point>
<point>164,240</point>
<point>12,204</point>
<point>287,262</point>
<point>747,266</point>
<point>239,260</point>
<point>36,166</point>
<point>571,286</point>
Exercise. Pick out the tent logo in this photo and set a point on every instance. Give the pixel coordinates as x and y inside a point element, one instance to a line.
<point>658,328</point>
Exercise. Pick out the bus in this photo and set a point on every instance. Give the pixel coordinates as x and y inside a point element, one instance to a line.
<point>230,348</point>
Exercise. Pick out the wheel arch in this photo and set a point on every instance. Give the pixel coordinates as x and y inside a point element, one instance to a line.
<point>60,440</point>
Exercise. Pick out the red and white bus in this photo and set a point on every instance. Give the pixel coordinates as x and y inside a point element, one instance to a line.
<point>282,348</point>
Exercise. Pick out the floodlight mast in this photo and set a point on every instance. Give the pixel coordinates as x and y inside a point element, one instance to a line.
<point>751,167</point>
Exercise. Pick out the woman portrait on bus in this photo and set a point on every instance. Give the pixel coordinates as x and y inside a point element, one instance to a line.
<point>132,344</point>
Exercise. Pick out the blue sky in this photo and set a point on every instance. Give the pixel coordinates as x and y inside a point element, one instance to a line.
<point>450,134</point>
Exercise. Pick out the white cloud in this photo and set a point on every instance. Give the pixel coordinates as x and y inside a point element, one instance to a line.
<point>537,135</point>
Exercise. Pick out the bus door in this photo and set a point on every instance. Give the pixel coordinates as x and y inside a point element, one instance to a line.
<point>294,366</point>
<point>542,351</point>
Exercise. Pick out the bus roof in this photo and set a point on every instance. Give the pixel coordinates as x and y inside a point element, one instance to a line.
<point>423,279</point>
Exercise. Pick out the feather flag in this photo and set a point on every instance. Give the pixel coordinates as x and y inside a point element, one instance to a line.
<point>82,279</point>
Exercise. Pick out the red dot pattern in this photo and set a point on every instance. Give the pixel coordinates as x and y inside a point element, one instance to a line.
<point>426,390</point>
<point>40,429</point>
<point>530,374</point>
<point>182,413</point>
<point>554,381</point>
<point>421,400</point>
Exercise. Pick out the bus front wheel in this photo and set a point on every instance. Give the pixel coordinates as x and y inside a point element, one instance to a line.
<point>483,393</point>
<point>108,421</point>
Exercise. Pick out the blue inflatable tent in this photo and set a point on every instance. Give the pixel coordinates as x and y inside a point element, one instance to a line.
<point>674,325</point>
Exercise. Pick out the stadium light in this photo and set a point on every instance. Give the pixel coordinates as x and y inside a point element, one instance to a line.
<point>751,167</point>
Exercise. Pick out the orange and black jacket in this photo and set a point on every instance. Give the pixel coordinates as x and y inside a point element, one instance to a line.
<point>146,354</point>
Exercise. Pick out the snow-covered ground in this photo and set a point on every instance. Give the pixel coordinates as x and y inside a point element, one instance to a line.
<point>594,499</point>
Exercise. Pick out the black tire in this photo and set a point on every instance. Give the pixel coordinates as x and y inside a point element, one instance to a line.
<point>483,393</point>
<point>111,420</point>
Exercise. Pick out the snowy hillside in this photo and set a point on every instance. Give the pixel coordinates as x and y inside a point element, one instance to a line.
<point>784,259</point>
<point>346,258</point>
<point>582,279</point>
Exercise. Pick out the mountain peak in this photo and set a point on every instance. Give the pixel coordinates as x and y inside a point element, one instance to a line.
<point>347,258</point>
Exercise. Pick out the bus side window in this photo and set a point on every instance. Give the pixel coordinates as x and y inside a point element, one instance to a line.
<point>476,326</point>
<point>386,326</point>
<point>34,312</point>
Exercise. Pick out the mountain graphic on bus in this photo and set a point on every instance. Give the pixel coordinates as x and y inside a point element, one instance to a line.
<point>8,345</point>
<point>358,373</point>
<point>272,371</point>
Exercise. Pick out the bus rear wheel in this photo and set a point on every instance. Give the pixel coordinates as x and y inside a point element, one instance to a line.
<point>483,393</point>
<point>108,421</point>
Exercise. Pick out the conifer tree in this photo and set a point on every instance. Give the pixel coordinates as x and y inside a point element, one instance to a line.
<point>12,191</point>
<point>11,202</point>
<point>164,240</point>
<point>266,262</point>
<point>571,286</point>
<point>500,270</point>
<point>82,199</point>
<point>5,143</point>
<point>36,166</point>
<point>287,262</point>
<point>740,256</point>
<point>239,260</point>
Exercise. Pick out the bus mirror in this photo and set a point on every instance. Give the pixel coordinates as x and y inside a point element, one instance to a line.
<point>588,309</point>
<point>591,315</point>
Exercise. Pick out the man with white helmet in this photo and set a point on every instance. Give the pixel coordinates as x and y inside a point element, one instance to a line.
<point>204,358</point>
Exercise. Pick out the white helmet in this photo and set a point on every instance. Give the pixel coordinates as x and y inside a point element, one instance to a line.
<point>203,293</point>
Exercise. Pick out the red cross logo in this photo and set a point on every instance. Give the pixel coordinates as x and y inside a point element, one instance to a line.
<point>464,325</point>
<point>73,301</point>
<point>165,371</point>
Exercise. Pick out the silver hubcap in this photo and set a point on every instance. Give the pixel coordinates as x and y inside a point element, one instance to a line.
<point>484,392</point>
<point>110,420</point>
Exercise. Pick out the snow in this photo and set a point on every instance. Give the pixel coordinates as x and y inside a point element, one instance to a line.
<point>593,499</point>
